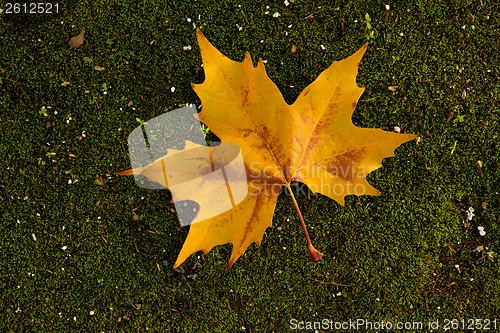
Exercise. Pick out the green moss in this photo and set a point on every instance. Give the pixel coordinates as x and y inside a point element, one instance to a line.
<point>395,255</point>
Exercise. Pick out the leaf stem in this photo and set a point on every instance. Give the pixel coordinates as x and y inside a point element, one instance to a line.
<point>314,254</point>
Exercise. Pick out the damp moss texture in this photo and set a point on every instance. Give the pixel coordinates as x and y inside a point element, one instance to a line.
<point>84,250</point>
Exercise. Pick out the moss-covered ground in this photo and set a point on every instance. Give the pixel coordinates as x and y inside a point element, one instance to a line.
<point>74,258</point>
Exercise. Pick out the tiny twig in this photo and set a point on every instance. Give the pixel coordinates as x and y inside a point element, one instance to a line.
<point>244,16</point>
<point>190,288</point>
<point>334,283</point>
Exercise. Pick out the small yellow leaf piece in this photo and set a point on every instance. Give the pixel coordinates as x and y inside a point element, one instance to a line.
<point>99,181</point>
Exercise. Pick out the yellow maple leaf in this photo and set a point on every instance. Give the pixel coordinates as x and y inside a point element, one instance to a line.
<point>312,141</point>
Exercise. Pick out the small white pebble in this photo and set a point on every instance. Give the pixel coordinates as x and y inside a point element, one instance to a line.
<point>104,92</point>
<point>482,232</point>
<point>387,7</point>
<point>189,20</point>
<point>276,14</point>
<point>286,3</point>
<point>377,299</point>
<point>401,34</point>
<point>457,266</point>
<point>322,47</point>
<point>69,181</point>
<point>64,248</point>
<point>264,61</point>
<point>34,237</point>
<point>470,213</point>
<point>91,313</point>
<point>397,129</point>
<point>480,228</point>
<point>172,89</point>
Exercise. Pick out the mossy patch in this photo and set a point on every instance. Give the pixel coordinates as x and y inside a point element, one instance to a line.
<point>73,258</point>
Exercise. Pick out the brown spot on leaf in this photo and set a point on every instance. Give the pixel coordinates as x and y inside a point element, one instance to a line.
<point>343,166</point>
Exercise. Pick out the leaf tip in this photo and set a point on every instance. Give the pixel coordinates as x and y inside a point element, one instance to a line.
<point>360,53</point>
<point>248,57</point>
<point>129,172</point>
